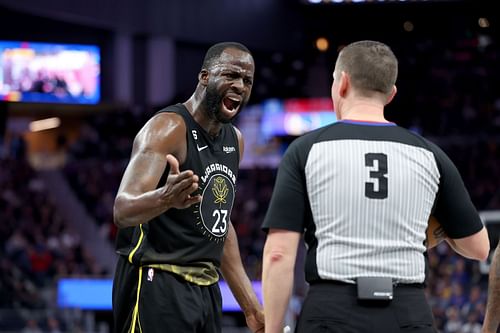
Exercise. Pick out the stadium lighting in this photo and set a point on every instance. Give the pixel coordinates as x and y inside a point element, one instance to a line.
<point>44,124</point>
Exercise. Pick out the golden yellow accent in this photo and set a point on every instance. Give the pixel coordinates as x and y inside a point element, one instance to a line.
<point>203,274</point>
<point>131,255</point>
<point>220,190</point>
<point>135,315</point>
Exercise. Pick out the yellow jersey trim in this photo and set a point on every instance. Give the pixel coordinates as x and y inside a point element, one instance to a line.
<point>131,255</point>
<point>135,314</point>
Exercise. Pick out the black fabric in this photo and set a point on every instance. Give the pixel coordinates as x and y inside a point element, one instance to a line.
<point>453,203</point>
<point>184,237</point>
<point>289,208</point>
<point>334,308</point>
<point>196,233</point>
<point>124,295</point>
<point>167,303</point>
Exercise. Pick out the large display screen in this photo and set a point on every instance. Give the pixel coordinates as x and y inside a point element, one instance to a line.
<point>269,127</point>
<point>95,294</point>
<point>49,73</point>
<point>294,117</point>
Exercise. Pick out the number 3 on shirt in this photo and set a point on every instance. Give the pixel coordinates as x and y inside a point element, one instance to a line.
<point>377,189</point>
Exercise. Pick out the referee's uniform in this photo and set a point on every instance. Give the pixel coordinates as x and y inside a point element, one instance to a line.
<point>362,194</point>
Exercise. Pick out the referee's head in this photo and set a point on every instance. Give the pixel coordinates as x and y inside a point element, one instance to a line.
<point>371,66</point>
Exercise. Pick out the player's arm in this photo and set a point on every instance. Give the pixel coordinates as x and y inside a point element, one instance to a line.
<point>492,319</point>
<point>234,274</point>
<point>280,252</point>
<point>241,142</point>
<point>139,199</point>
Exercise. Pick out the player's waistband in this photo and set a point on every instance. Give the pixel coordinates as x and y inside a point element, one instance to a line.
<point>201,273</point>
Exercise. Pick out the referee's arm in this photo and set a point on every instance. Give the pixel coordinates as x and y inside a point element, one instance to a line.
<point>280,252</point>
<point>284,223</point>
<point>472,247</point>
<point>456,213</point>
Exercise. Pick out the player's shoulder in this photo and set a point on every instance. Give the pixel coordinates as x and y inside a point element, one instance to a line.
<point>172,113</point>
<point>167,122</point>
<point>235,129</point>
<point>163,125</point>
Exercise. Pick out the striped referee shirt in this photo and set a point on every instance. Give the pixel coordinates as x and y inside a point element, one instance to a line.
<point>362,194</point>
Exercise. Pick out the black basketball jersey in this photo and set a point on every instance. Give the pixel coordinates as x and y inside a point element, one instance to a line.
<point>187,237</point>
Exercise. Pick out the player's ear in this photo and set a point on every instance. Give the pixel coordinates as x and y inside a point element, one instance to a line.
<point>203,77</point>
<point>391,95</point>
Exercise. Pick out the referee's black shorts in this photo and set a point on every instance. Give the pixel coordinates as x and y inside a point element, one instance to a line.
<point>334,308</point>
<point>152,300</point>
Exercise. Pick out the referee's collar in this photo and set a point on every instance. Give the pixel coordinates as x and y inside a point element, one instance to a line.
<point>366,122</point>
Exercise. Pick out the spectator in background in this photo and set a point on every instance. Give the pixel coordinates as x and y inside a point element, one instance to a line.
<point>31,327</point>
<point>472,325</point>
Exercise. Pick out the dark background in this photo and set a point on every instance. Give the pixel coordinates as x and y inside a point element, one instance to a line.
<point>151,52</point>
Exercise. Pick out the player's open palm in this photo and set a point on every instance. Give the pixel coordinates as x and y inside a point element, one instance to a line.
<point>180,186</point>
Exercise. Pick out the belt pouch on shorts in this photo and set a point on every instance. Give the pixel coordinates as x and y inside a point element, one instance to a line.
<point>374,288</point>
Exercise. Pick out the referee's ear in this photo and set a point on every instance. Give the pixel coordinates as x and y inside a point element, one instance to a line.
<point>391,95</point>
<point>344,84</point>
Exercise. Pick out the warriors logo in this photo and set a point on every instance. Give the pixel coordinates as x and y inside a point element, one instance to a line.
<point>216,205</point>
<point>220,190</point>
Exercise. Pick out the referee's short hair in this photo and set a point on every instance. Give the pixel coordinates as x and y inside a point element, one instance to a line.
<point>371,65</point>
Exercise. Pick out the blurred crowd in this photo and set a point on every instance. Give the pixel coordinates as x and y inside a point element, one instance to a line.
<point>38,247</point>
<point>446,94</point>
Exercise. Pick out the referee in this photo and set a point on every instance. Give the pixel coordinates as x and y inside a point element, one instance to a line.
<point>361,191</point>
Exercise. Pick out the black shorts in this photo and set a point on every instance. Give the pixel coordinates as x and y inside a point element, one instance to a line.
<point>164,302</point>
<point>334,308</point>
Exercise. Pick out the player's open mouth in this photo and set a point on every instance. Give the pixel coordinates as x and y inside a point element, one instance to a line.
<point>231,104</point>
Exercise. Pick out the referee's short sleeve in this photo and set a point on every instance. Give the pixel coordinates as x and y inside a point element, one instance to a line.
<point>454,208</point>
<point>289,202</point>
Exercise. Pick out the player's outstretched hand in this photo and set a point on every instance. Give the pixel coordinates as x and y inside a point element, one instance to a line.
<point>177,191</point>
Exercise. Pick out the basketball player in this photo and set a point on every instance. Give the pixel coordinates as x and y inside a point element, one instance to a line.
<point>174,204</point>
<point>492,319</point>
<point>361,191</point>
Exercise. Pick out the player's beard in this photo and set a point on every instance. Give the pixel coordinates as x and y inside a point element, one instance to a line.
<point>213,105</point>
